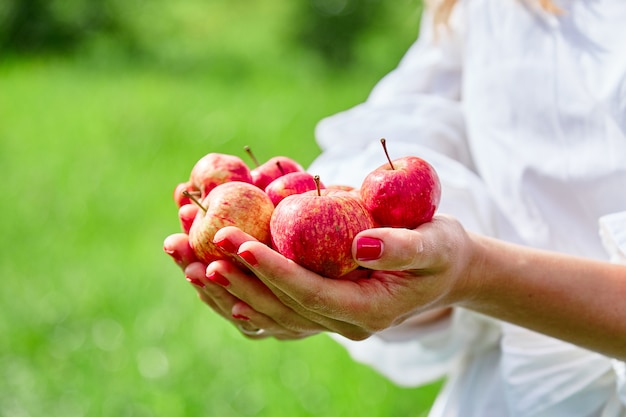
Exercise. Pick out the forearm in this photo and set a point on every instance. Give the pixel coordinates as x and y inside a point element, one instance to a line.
<point>578,300</point>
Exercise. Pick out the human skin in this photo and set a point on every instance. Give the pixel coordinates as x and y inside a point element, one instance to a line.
<point>431,269</point>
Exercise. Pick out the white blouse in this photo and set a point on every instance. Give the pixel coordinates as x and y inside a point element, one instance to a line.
<point>523,114</point>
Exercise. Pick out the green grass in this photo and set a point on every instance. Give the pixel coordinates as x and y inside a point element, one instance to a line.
<point>96,320</point>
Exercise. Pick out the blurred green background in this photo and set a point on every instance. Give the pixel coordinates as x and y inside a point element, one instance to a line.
<point>104,107</point>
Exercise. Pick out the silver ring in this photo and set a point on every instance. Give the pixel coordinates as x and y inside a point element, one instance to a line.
<point>255,332</point>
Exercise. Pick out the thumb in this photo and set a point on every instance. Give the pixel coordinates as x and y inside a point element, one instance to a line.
<point>398,249</point>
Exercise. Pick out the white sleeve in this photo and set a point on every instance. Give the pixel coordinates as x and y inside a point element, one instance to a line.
<point>613,233</point>
<point>417,109</point>
<point>417,103</point>
<point>413,358</point>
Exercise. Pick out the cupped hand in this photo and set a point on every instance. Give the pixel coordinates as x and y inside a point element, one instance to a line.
<point>404,272</point>
<point>213,285</point>
<point>211,291</point>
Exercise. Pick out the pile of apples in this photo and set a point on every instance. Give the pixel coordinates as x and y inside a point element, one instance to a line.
<point>292,211</point>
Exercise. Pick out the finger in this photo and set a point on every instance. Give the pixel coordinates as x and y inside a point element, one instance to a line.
<point>398,249</point>
<point>229,238</point>
<point>229,306</point>
<point>186,215</point>
<point>311,300</point>
<point>263,325</point>
<point>258,299</point>
<point>329,302</point>
<point>180,198</point>
<point>177,246</point>
<point>194,273</point>
<point>213,292</point>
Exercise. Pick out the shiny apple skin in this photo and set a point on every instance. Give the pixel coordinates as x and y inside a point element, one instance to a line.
<point>289,184</point>
<point>405,196</point>
<point>214,169</point>
<point>268,171</point>
<point>316,231</point>
<point>234,203</point>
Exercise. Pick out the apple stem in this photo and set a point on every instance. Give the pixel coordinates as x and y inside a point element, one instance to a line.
<point>316,178</point>
<point>249,152</point>
<point>384,143</point>
<point>280,167</point>
<point>194,199</point>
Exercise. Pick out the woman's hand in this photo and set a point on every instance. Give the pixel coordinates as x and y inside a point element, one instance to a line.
<point>403,273</point>
<point>413,271</point>
<point>211,285</point>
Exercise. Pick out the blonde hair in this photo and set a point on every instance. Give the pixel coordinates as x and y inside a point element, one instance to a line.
<point>443,8</point>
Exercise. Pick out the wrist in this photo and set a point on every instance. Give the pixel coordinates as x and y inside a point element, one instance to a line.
<point>475,269</point>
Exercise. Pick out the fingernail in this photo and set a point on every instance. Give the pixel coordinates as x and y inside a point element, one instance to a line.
<point>248,257</point>
<point>368,249</point>
<point>218,278</point>
<point>195,281</point>
<point>226,245</point>
<point>240,317</point>
<point>175,255</point>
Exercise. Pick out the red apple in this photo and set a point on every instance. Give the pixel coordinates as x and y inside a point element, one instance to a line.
<point>402,193</point>
<point>291,183</point>
<point>230,204</point>
<point>263,174</point>
<point>217,168</point>
<point>315,229</point>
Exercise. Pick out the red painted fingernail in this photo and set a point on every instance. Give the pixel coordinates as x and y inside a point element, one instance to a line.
<point>368,249</point>
<point>195,281</point>
<point>218,278</point>
<point>226,245</point>
<point>240,317</point>
<point>174,254</point>
<point>248,257</point>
